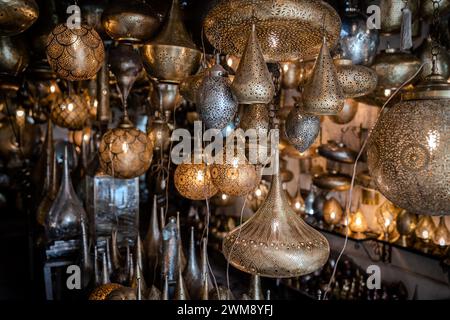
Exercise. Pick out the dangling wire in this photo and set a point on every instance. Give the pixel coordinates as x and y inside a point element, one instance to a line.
<point>435,37</point>
<point>350,194</point>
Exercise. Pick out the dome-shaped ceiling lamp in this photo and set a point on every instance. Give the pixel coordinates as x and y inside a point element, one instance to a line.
<point>287,29</point>
<point>172,55</point>
<point>75,54</point>
<point>323,94</point>
<point>355,80</point>
<point>253,82</point>
<point>216,103</point>
<point>17,16</point>
<point>275,242</point>
<point>357,41</point>
<point>130,21</point>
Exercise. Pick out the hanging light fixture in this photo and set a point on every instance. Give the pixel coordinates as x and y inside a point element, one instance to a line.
<point>17,16</point>
<point>323,94</point>
<point>125,152</point>
<point>391,14</point>
<point>171,56</point>
<point>441,236</point>
<point>301,129</point>
<point>216,104</point>
<point>75,54</point>
<point>190,85</point>
<point>347,114</point>
<point>253,81</point>
<point>159,134</point>
<point>426,57</point>
<point>193,181</point>
<point>257,197</point>
<point>72,113</point>
<point>355,80</point>
<point>275,242</point>
<point>332,211</point>
<point>287,29</point>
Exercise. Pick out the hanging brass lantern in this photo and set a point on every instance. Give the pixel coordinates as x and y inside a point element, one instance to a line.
<point>258,196</point>
<point>408,149</point>
<point>275,242</point>
<point>301,129</point>
<point>391,14</point>
<point>255,116</point>
<point>235,176</point>
<point>72,113</point>
<point>253,82</point>
<point>442,59</point>
<point>292,74</point>
<point>193,181</point>
<point>171,56</point>
<point>297,202</point>
<point>323,94</point>
<point>355,80</point>
<point>347,113</point>
<point>357,42</point>
<point>190,85</point>
<point>441,236</point>
<point>287,29</point>
<point>332,211</point>
<point>125,152</point>
<point>159,134</point>
<point>17,16</point>
<point>130,21</point>
<point>75,54</point>
<point>15,55</point>
<point>394,68</point>
<point>216,103</point>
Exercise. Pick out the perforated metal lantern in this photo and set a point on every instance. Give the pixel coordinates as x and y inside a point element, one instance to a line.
<point>275,242</point>
<point>287,29</point>
<point>408,149</point>
<point>17,16</point>
<point>75,54</point>
<point>172,55</point>
<point>193,181</point>
<point>253,82</point>
<point>72,113</point>
<point>216,104</point>
<point>347,113</point>
<point>301,129</point>
<point>355,80</point>
<point>323,94</point>
<point>391,14</point>
<point>125,152</point>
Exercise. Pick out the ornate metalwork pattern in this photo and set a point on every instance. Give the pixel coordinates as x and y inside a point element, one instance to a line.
<point>355,80</point>
<point>391,14</point>
<point>301,129</point>
<point>255,116</point>
<point>75,54</point>
<point>102,292</point>
<point>216,103</point>
<point>125,152</point>
<point>275,242</point>
<point>17,16</point>
<point>408,156</point>
<point>190,86</point>
<point>193,181</point>
<point>71,113</point>
<point>287,29</point>
<point>253,81</point>
<point>323,94</point>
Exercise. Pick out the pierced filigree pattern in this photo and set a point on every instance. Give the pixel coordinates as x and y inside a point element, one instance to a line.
<point>125,153</point>
<point>193,181</point>
<point>71,113</point>
<point>75,54</point>
<point>103,291</point>
<point>301,130</point>
<point>287,29</point>
<point>408,156</point>
<point>355,80</point>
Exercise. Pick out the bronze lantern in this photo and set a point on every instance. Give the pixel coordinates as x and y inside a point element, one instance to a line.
<point>17,16</point>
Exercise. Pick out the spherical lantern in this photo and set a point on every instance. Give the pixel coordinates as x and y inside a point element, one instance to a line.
<point>17,16</point>
<point>75,54</point>
<point>347,113</point>
<point>355,80</point>
<point>193,181</point>
<point>408,149</point>
<point>159,134</point>
<point>332,211</point>
<point>235,176</point>
<point>72,113</point>
<point>125,152</point>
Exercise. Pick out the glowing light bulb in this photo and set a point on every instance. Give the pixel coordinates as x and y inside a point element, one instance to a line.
<point>200,175</point>
<point>70,106</point>
<point>285,67</point>
<point>333,215</point>
<point>224,196</point>
<point>258,192</point>
<point>358,221</point>
<point>425,234</point>
<point>125,147</point>
<point>20,113</point>
<point>52,88</point>
<point>86,137</point>
<point>95,103</point>
<point>387,222</point>
<point>230,62</point>
<point>387,92</point>
<point>297,205</point>
<point>442,242</point>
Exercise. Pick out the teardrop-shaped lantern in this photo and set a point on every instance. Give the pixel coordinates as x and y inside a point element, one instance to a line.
<point>355,80</point>
<point>216,104</point>
<point>441,236</point>
<point>253,81</point>
<point>172,55</point>
<point>275,242</point>
<point>64,217</point>
<point>72,113</point>
<point>126,65</point>
<point>17,16</point>
<point>302,129</point>
<point>130,21</point>
<point>323,94</point>
<point>332,211</point>
<point>75,54</point>
<point>125,152</point>
<point>408,149</point>
<point>193,181</point>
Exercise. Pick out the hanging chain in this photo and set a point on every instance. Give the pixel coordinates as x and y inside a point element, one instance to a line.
<point>435,36</point>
